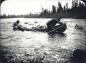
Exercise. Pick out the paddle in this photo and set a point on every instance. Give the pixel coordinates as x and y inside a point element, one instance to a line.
<point>55,29</point>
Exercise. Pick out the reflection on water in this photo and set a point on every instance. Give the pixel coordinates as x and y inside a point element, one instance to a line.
<point>28,45</point>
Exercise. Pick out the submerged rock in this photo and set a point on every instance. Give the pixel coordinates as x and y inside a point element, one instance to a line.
<point>78,26</point>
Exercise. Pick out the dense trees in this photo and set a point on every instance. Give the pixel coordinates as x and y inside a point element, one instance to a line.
<point>78,10</point>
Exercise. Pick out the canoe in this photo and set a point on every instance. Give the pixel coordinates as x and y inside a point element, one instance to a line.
<point>57,29</point>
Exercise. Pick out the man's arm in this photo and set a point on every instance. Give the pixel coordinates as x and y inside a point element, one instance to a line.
<point>60,23</point>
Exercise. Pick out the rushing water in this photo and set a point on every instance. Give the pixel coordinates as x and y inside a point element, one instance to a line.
<point>33,45</point>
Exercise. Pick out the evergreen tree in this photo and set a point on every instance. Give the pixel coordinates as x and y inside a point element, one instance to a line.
<point>59,9</point>
<point>53,9</point>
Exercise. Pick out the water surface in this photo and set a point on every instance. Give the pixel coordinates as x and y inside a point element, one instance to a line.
<point>30,46</point>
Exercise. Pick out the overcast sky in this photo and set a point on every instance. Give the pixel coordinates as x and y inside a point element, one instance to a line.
<point>26,6</point>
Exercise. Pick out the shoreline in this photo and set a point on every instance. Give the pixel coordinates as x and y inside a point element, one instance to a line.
<point>42,17</point>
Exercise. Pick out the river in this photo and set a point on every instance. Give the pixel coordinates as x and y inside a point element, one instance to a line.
<point>40,47</point>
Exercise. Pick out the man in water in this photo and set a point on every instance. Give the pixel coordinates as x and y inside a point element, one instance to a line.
<point>53,24</point>
<point>15,25</point>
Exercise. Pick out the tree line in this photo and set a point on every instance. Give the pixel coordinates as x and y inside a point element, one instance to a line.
<point>78,10</point>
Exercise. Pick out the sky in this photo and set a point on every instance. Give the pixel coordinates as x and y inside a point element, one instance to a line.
<point>18,7</point>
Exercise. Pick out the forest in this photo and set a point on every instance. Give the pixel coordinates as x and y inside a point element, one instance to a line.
<point>78,10</point>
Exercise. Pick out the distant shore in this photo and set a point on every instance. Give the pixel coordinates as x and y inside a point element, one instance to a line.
<point>76,17</point>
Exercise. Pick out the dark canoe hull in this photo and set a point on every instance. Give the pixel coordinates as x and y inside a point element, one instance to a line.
<point>59,29</point>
